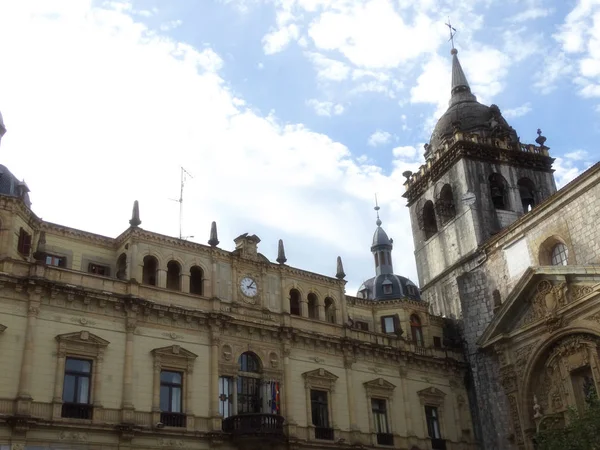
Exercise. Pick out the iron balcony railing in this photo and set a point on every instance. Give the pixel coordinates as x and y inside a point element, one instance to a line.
<point>385,439</point>
<point>256,424</point>
<point>324,433</point>
<point>173,419</point>
<point>77,410</point>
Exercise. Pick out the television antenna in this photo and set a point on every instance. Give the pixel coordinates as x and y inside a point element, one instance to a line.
<point>184,175</point>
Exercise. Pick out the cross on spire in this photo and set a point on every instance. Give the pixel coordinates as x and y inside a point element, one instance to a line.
<point>452,31</point>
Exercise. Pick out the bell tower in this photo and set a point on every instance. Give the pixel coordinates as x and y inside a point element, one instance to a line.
<point>478,178</point>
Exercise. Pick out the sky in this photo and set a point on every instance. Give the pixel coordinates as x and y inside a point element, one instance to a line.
<point>289,115</point>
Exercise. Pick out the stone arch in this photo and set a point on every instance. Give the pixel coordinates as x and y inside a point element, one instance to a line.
<point>197,276</point>
<point>247,359</point>
<point>295,300</point>
<point>174,273</point>
<point>313,305</point>
<point>548,245</point>
<point>122,266</point>
<point>527,191</point>
<point>499,191</point>
<point>150,268</point>
<point>429,221</point>
<point>330,309</point>
<point>445,205</point>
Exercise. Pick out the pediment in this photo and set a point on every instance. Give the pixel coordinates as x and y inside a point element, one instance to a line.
<point>540,298</point>
<point>380,383</point>
<point>431,396</point>
<point>82,337</point>
<point>320,374</point>
<point>174,351</point>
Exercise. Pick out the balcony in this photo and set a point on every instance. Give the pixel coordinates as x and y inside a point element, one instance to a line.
<point>324,433</point>
<point>171,419</point>
<point>385,439</point>
<point>254,426</point>
<point>77,410</point>
<point>438,444</point>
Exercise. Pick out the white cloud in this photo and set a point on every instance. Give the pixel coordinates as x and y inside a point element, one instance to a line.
<point>518,111</point>
<point>278,39</point>
<point>171,25</point>
<point>531,14</point>
<point>327,68</point>
<point>577,155</point>
<point>378,138</point>
<point>325,108</point>
<point>406,152</point>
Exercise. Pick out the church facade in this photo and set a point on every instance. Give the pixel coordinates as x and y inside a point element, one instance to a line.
<point>515,262</point>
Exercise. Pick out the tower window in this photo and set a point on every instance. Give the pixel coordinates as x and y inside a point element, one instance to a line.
<point>313,312</point>
<point>559,255</point>
<point>526,191</point>
<point>196,280</point>
<point>295,302</point>
<point>445,204</point>
<point>429,223</point>
<point>150,270</point>
<point>498,191</point>
<point>122,266</point>
<point>173,276</point>
<point>329,310</point>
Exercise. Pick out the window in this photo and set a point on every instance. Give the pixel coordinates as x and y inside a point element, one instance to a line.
<point>173,276</point>
<point>412,290</point>
<point>97,269</point>
<point>361,325</point>
<point>445,204</point>
<point>559,255</point>
<point>526,192</point>
<point>76,389</point>
<point>387,287</point>
<point>390,324</point>
<point>330,310</point>
<point>171,397</point>
<point>24,244</point>
<point>150,270</point>
<point>248,385</point>
<point>498,191</point>
<point>380,421</point>
<point>313,311</point>
<point>433,423</point>
<point>416,330</point>
<point>429,222</point>
<point>320,415</point>
<point>437,342</point>
<point>56,261</point>
<point>295,302</point>
<point>226,396</point>
<point>584,387</point>
<point>122,266</point>
<point>196,280</point>
<point>376,259</point>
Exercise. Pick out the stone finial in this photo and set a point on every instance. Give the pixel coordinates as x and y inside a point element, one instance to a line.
<point>40,252</point>
<point>135,215</point>
<point>214,240</point>
<point>536,408</point>
<point>540,139</point>
<point>281,259</point>
<point>340,269</point>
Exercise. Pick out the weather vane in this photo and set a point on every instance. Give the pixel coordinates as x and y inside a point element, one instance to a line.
<point>452,32</point>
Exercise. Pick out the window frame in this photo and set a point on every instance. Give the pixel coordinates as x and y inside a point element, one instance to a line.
<point>62,260</point>
<point>433,397</point>
<point>380,389</point>
<point>24,242</point>
<point>561,258</point>
<point>395,324</point>
<point>170,387</point>
<point>432,417</point>
<point>97,265</point>
<point>319,380</point>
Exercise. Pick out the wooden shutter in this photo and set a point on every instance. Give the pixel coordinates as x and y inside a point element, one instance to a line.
<point>383,325</point>
<point>397,327</point>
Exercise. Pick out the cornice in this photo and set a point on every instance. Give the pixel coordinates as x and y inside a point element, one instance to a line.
<point>71,233</point>
<point>419,304</point>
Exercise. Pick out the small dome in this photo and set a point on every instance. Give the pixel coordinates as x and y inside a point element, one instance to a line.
<point>380,237</point>
<point>388,287</point>
<point>10,185</point>
<point>2,127</point>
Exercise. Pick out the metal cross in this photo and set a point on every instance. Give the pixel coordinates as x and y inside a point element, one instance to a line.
<point>452,31</point>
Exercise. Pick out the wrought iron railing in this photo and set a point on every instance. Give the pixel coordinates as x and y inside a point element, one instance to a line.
<point>257,424</point>
<point>77,410</point>
<point>438,444</point>
<point>385,439</point>
<point>324,433</point>
<point>172,419</point>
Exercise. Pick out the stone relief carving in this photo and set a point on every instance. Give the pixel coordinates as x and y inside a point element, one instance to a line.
<point>73,436</point>
<point>172,335</point>
<point>227,352</point>
<point>547,300</point>
<point>171,443</point>
<point>594,318</point>
<point>580,291</point>
<point>522,357</point>
<point>18,446</point>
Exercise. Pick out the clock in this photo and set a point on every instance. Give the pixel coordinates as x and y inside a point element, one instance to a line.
<point>248,287</point>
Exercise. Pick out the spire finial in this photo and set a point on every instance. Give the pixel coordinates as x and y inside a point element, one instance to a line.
<point>452,33</point>
<point>340,274</point>
<point>135,215</point>
<point>281,259</point>
<point>377,208</point>
<point>214,240</point>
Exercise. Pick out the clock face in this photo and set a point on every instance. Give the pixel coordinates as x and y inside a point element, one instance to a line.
<point>248,287</point>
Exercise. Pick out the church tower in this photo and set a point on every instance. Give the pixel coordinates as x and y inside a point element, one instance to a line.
<point>477,179</point>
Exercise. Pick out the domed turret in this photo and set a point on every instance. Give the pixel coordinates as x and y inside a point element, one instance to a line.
<point>2,127</point>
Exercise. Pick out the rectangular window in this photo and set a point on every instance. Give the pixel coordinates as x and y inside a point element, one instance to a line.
<point>225,396</point>
<point>56,261</point>
<point>387,289</point>
<point>361,325</point>
<point>390,324</point>
<point>380,419</point>
<point>437,342</point>
<point>24,244</point>
<point>320,415</point>
<point>433,423</point>
<point>76,389</point>
<point>171,396</point>
<point>248,395</point>
<point>98,269</point>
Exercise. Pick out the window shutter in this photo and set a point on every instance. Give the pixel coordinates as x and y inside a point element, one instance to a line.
<point>397,327</point>
<point>27,244</point>
<point>20,244</point>
<point>383,330</point>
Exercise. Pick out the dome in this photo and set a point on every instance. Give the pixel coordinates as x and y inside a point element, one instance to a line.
<point>388,287</point>
<point>380,237</point>
<point>2,127</point>
<point>10,185</point>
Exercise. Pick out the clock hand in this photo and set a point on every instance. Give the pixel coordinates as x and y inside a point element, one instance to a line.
<point>250,285</point>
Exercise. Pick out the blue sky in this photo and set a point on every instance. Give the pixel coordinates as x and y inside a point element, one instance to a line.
<point>289,114</point>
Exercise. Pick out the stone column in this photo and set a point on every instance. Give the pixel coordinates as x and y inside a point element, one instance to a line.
<point>134,267</point>
<point>235,397</point>
<point>215,339</point>
<point>189,396</point>
<point>321,309</point>
<point>161,281</point>
<point>343,309</point>
<point>156,387</point>
<point>61,358</point>
<point>286,391</point>
<point>23,404</point>
<point>348,361</point>
<point>214,291</point>
<point>508,379</point>
<point>185,283</point>
<point>410,431</point>
<point>97,386</point>
<point>303,307</point>
<point>128,408</point>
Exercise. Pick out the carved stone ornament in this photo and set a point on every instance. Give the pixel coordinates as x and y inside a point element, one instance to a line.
<point>431,396</point>
<point>174,356</point>
<point>274,360</point>
<point>580,291</point>
<point>18,446</point>
<point>522,357</point>
<point>319,378</point>
<point>82,342</point>
<point>73,436</point>
<point>508,379</point>
<point>548,299</point>
<point>226,352</point>
<point>171,443</point>
<point>594,318</point>
<point>379,388</point>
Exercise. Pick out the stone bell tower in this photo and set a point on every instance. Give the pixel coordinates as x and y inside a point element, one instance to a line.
<point>477,179</point>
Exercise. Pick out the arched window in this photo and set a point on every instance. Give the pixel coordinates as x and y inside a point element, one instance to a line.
<point>173,276</point>
<point>149,271</point>
<point>295,302</point>
<point>196,280</point>
<point>445,204</point>
<point>329,310</point>
<point>313,311</point>
<point>429,223</point>
<point>498,191</point>
<point>559,255</point>
<point>122,266</point>
<point>416,330</point>
<point>248,385</point>
<point>376,259</point>
<point>527,193</point>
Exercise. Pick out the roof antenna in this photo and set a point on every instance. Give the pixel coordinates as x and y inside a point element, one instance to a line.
<point>180,201</point>
<point>452,32</point>
<point>378,221</point>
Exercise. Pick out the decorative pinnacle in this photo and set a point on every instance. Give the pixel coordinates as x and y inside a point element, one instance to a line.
<point>214,240</point>
<point>452,33</point>
<point>540,139</point>
<point>281,259</point>
<point>340,274</point>
<point>135,215</point>
<point>377,208</point>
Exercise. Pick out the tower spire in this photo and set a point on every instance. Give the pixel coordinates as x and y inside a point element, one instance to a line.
<point>135,215</point>
<point>377,208</point>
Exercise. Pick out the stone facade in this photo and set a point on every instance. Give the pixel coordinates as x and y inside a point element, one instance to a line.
<point>144,305</point>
